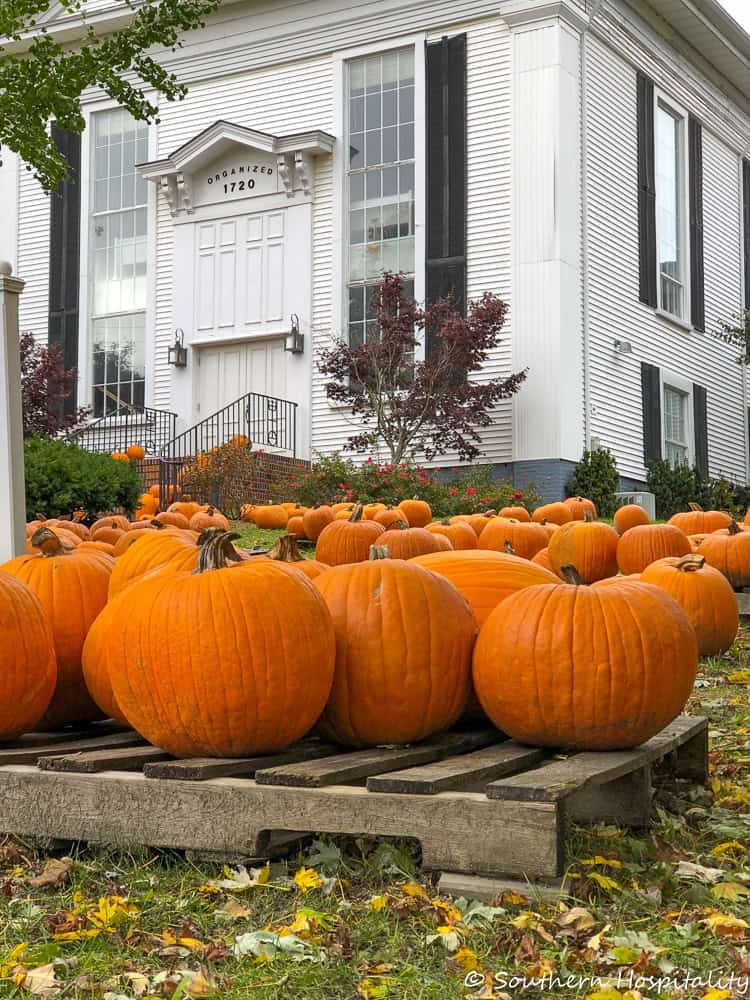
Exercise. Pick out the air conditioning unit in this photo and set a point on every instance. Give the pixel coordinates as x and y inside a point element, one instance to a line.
<point>645,500</point>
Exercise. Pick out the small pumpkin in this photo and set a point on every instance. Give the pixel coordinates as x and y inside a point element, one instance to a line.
<point>296,526</point>
<point>211,518</point>
<point>388,516</point>
<point>578,507</point>
<point>459,533</point>
<point>271,515</point>
<point>347,541</point>
<point>699,521</point>
<point>111,533</point>
<point>646,543</point>
<point>403,660</point>
<point>418,512</point>
<point>630,515</point>
<point>526,538</point>
<point>591,546</point>
<point>176,519</point>
<point>516,513</point>
<point>110,521</point>
<point>187,508</point>
<point>136,451</point>
<point>705,596</point>
<point>315,519</point>
<point>555,513</point>
<point>729,551</point>
<point>477,522</point>
<point>369,510</point>
<point>404,542</point>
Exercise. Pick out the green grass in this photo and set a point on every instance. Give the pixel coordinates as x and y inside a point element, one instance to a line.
<point>635,909</point>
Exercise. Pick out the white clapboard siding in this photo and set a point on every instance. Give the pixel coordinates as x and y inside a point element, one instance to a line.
<point>33,254</point>
<point>612,275</point>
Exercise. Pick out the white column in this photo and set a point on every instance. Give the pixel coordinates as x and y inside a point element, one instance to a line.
<point>547,314</point>
<point>12,490</point>
<point>9,207</point>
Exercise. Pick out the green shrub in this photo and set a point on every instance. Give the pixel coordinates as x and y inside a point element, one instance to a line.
<point>676,488</point>
<point>333,479</point>
<point>61,478</point>
<point>596,477</point>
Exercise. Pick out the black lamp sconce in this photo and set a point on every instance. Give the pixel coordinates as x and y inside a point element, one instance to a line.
<point>177,353</point>
<point>294,341</point>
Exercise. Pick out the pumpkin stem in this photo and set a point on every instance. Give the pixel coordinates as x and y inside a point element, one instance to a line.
<point>379,552</point>
<point>216,551</point>
<point>446,521</point>
<point>40,517</point>
<point>695,507</point>
<point>286,550</point>
<point>48,542</point>
<point>508,546</point>
<point>398,526</point>
<point>588,515</point>
<point>733,528</point>
<point>690,563</point>
<point>357,513</point>
<point>571,575</point>
<point>159,525</point>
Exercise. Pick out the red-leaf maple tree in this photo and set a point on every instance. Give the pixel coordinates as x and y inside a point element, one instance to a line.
<point>429,406</point>
<point>45,386</point>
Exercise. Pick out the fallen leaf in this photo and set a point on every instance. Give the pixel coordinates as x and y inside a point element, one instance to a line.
<point>689,870</point>
<point>41,982</point>
<point>602,862</point>
<point>56,872</point>
<point>12,959</point>
<point>730,890</point>
<point>725,926</point>
<point>739,677</point>
<point>467,960</point>
<point>448,937</point>
<point>306,879</point>
<point>605,882</point>
<point>729,847</point>
<point>374,989</point>
<point>378,902</point>
<point>231,909</point>
<point>414,890</point>
<point>138,982</point>
<point>716,994</point>
<point>199,984</point>
<point>239,879</point>
<point>514,898</point>
<point>576,919</point>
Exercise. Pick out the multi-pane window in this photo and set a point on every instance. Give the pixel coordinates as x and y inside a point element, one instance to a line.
<point>676,426</point>
<point>118,242</point>
<point>670,208</point>
<point>380,180</point>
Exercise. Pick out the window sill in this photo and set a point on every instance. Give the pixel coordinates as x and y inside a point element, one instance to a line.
<point>681,324</point>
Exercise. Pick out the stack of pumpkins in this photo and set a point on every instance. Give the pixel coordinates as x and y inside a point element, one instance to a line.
<point>383,638</point>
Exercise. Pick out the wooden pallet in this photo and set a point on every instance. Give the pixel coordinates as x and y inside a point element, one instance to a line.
<point>743,601</point>
<point>477,802</point>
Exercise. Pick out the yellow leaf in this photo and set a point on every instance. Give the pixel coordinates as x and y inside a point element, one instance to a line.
<point>730,890</point>
<point>467,960</point>
<point>724,925</point>
<point>374,989</point>
<point>601,862</point>
<point>198,984</point>
<point>739,677</point>
<point>412,889</point>
<point>307,878</point>
<point>606,883</point>
<point>12,959</point>
<point>715,994</point>
<point>77,935</point>
<point>608,993</point>
<point>451,912</point>
<point>208,890</point>
<point>729,847</point>
<point>378,902</point>
<point>514,898</point>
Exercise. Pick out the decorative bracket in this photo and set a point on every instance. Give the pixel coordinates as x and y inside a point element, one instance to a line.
<point>285,168</point>
<point>185,191</point>
<point>303,171</point>
<point>168,188</point>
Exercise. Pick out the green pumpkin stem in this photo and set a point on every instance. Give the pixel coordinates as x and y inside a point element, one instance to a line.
<point>216,551</point>
<point>571,575</point>
<point>379,552</point>
<point>690,563</point>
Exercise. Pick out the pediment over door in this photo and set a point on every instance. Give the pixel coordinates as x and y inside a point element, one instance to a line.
<point>227,162</point>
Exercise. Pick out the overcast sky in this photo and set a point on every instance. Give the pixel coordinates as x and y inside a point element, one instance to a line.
<point>740,11</point>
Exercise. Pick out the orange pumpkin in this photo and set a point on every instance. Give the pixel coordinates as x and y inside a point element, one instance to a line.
<point>418,512</point>
<point>95,655</point>
<point>555,513</point>
<point>247,512</point>
<point>459,533</point>
<point>550,527</point>
<point>72,588</point>
<point>296,526</point>
<point>578,507</point>
<point>705,596</point>
<point>389,516</point>
<point>224,662</point>
<point>591,546</point>
<point>525,538</point>
<point>369,510</point>
<point>698,521</point>
<point>286,551</point>
<point>315,520</point>
<point>110,521</point>
<point>646,543</point>
<point>404,542</point>
<point>729,552</point>
<point>28,669</point>
<point>620,660</point>
<point>137,452</point>
<point>271,516</point>
<point>211,518</point>
<point>400,676</point>
<point>98,547</point>
<point>187,508</point>
<point>542,559</point>
<point>74,527</point>
<point>630,515</point>
<point>349,541</point>
<point>516,513</point>
<point>345,505</point>
<point>485,578</point>
<point>153,550</point>
<point>108,533</point>
<point>176,520</point>
<point>477,522</point>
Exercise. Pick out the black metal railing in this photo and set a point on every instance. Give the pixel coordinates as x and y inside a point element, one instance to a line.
<point>255,420</point>
<point>125,426</point>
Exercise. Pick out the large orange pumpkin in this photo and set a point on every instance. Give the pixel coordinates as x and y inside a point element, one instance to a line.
<point>188,509</point>
<point>388,516</point>
<point>296,526</point>
<point>404,542</point>
<point>459,533</point>
<point>369,510</point>
<point>477,522</point>
<point>578,507</point>
<point>72,588</point>
<point>110,521</point>
<point>555,513</point>
<point>705,596</point>
<point>174,519</point>
<point>349,541</point>
<point>586,668</point>
<point>646,543</point>
<point>224,662</point>
<point>630,515</point>
<point>155,549</point>
<point>591,546</point>
<point>516,513</point>
<point>271,515</point>
<point>526,538</point>
<point>418,512</point>
<point>698,521</point>
<point>211,518</point>
<point>315,519</point>
<point>95,655</point>
<point>28,670</point>
<point>403,652</point>
<point>485,578</point>
<point>729,552</point>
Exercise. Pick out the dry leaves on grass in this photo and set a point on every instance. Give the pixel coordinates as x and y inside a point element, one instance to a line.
<point>56,872</point>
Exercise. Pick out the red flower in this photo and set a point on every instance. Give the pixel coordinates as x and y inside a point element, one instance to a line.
<point>518,495</point>
<point>368,461</point>
<point>470,491</point>
<point>397,490</point>
<point>453,492</point>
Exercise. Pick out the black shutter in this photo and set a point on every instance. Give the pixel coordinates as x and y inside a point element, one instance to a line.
<point>697,284</point>
<point>651,395</point>
<point>446,171</point>
<point>646,193</point>
<point>64,262</point>
<point>746,226</point>
<point>700,429</point>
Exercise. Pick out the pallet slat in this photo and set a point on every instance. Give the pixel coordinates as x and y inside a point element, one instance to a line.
<point>458,772</point>
<point>558,779</point>
<point>351,766</point>
<point>203,768</point>
<point>94,761</point>
<point>31,754</point>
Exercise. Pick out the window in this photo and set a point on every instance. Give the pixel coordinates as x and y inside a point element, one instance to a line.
<point>677,429</point>
<point>379,179</point>
<point>671,209</point>
<point>118,247</point>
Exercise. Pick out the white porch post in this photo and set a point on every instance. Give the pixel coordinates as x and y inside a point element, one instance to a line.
<point>12,491</point>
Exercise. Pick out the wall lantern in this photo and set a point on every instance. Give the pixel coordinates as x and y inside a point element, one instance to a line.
<point>294,341</point>
<point>177,353</point>
<point>622,347</point>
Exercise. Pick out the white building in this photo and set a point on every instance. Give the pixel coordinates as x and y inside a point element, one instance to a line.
<point>584,159</point>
